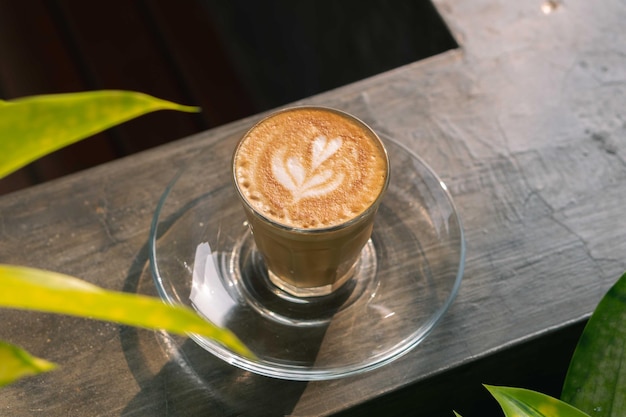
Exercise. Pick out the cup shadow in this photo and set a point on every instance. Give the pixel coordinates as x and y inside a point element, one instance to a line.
<point>178,377</point>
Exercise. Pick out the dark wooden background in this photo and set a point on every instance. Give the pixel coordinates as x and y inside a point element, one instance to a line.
<point>64,46</point>
<point>232,58</point>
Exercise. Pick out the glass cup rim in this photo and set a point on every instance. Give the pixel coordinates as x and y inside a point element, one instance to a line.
<point>318,230</point>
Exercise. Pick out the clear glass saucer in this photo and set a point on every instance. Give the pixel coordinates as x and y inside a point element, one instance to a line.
<point>202,255</point>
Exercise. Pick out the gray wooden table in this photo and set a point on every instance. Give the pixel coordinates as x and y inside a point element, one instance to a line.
<point>525,123</point>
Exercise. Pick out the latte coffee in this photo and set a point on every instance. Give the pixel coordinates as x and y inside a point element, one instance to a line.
<point>310,180</point>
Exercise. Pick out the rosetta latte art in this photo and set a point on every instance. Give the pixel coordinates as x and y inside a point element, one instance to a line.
<point>313,182</point>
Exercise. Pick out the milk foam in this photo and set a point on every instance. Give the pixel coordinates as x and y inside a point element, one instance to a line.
<point>310,167</point>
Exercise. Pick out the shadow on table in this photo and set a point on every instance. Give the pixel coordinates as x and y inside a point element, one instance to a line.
<point>178,377</point>
<point>194,383</point>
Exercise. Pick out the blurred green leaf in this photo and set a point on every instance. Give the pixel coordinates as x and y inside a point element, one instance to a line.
<point>518,402</point>
<point>35,289</point>
<point>32,127</point>
<point>16,363</point>
<point>596,378</point>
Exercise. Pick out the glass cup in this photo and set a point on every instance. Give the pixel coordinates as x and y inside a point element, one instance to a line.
<point>304,257</point>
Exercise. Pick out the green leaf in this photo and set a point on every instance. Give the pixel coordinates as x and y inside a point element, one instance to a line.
<point>596,378</point>
<point>35,289</point>
<point>518,402</point>
<point>32,127</point>
<point>456,414</point>
<point>16,363</point>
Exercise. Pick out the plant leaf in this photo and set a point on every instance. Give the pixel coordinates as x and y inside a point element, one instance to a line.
<point>35,289</point>
<point>596,378</point>
<point>518,402</point>
<point>16,363</point>
<point>32,127</point>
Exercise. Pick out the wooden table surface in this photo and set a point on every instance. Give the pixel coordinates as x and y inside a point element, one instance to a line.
<point>525,123</point>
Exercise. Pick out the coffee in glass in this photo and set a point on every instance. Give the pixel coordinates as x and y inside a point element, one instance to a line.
<point>310,180</point>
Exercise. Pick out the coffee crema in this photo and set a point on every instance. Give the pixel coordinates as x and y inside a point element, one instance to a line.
<point>310,168</point>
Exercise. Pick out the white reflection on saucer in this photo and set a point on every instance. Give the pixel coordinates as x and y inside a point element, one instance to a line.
<point>208,294</point>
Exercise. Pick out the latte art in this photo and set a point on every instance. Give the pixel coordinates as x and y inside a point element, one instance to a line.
<point>315,182</point>
<point>310,168</point>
